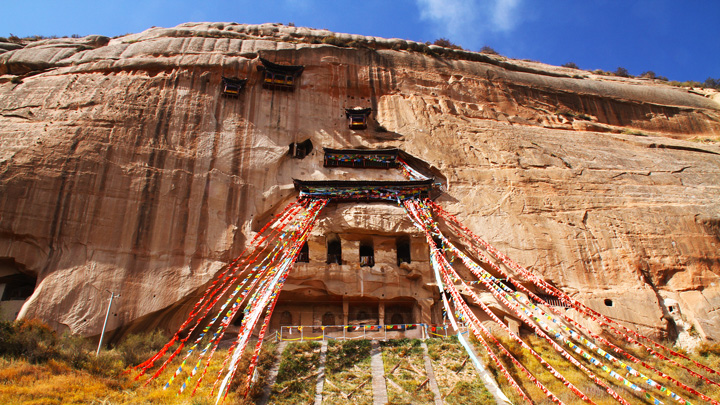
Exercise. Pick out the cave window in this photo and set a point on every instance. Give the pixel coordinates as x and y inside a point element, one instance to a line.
<point>671,309</point>
<point>402,246</point>
<point>304,255</point>
<point>328,319</point>
<point>285,318</point>
<point>608,302</point>
<point>334,250</point>
<point>18,286</point>
<point>299,150</point>
<point>367,255</point>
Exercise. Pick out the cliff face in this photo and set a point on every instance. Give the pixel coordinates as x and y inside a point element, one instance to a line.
<point>122,168</point>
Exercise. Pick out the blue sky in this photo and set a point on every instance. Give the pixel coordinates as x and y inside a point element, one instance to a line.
<point>679,39</point>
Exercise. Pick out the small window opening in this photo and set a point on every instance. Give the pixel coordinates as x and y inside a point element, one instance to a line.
<point>300,149</point>
<point>334,250</point>
<point>608,302</point>
<point>328,319</point>
<point>286,318</point>
<point>671,309</point>
<point>367,255</point>
<point>304,255</point>
<point>402,246</point>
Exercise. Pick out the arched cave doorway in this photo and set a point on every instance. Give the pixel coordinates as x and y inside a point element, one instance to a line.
<point>397,319</point>
<point>286,318</point>
<point>16,286</point>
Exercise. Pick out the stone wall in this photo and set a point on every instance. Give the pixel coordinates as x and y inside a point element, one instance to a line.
<point>122,168</point>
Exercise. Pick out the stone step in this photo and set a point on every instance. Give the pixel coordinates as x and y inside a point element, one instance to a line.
<point>380,396</point>
<point>431,376</point>
<point>321,375</point>
<point>272,376</point>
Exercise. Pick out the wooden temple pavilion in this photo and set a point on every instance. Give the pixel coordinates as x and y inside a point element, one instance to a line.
<point>276,76</point>
<point>232,86</point>
<point>364,190</point>
<point>357,117</point>
<point>361,158</point>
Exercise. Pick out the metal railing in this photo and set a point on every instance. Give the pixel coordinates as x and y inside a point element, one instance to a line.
<point>350,332</point>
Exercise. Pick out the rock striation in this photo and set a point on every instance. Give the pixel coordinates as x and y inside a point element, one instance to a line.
<point>122,168</point>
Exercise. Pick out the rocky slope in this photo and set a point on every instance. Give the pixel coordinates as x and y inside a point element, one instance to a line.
<point>122,168</point>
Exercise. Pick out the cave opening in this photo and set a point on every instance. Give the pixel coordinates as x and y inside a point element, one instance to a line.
<point>334,249</point>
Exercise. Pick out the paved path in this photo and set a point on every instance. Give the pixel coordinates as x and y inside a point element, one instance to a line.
<point>272,376</point>
<point>321,375</point>
<point>378,375</point>
<point>431,376</point>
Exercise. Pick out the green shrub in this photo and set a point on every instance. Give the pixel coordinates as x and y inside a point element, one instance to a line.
<point>446,43</point>
<point>333,40</point>
<point>622,72</point>
<point>648,75</point>
<point>30,339</point>
<point>488,50</point>
<point>136,348</point>
<point>712,83</point>
<point>75,349</point>
<point>570,65</point>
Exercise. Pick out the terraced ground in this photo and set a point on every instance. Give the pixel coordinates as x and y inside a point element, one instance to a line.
<point>456,377</point>
<point>348,376</point>
<point>299,365</point>
<point>405,376</point>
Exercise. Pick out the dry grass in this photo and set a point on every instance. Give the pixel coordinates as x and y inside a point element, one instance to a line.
<point>710,357</point>
<point>73,375</point>
<point>56,382</point>
<point>456,376</point>
<point>405,372</point>
<point>347,368</point>
<point>706,139</point>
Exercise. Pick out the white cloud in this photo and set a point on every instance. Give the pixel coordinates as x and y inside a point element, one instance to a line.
<point>457,18</point>
<point>505,14</point>
<point>451,16</point>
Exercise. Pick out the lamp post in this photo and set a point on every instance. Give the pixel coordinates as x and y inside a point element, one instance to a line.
<point>107,315</point>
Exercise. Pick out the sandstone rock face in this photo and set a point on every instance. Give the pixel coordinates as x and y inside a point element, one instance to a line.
<point>122,168</point>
